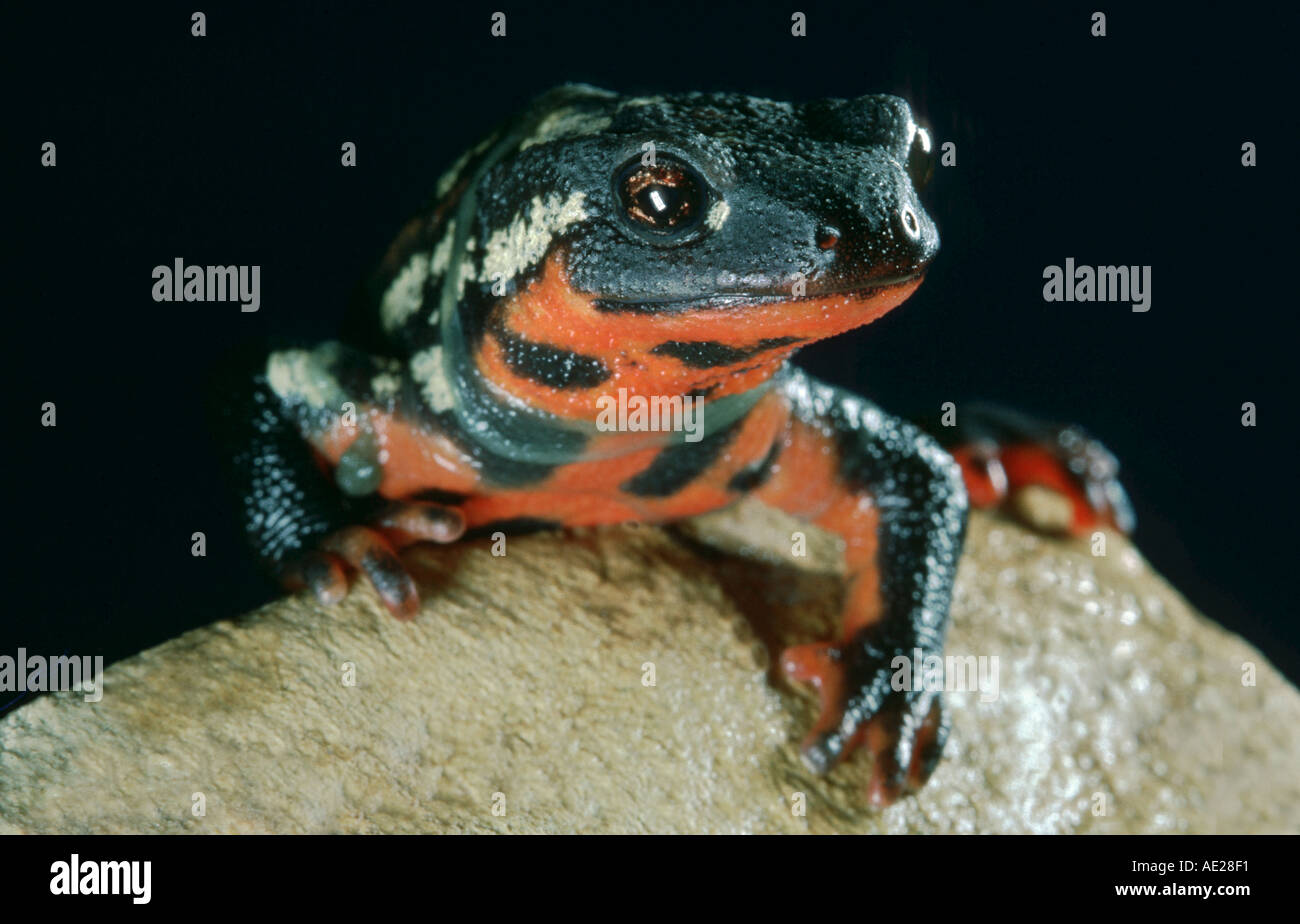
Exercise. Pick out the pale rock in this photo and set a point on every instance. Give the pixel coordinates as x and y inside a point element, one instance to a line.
<point>520,686</point>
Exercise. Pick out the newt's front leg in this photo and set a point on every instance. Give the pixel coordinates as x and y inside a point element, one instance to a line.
<point>310,432</point>
<point>899,503</point>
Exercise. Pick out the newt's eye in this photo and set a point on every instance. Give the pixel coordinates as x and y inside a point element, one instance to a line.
<point>667,197</point>
<point>920,160</point>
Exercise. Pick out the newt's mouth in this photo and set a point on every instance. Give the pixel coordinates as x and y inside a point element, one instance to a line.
<point>749,299</point>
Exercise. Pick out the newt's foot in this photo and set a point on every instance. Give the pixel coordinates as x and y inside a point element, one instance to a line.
<point>904,730</point>
<point>373,552</point>
<point>1056,479</point>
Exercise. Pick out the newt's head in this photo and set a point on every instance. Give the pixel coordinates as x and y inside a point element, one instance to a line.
<point>668,244</point>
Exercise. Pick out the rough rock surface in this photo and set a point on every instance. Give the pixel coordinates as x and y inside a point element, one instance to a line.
<point>516,702</point>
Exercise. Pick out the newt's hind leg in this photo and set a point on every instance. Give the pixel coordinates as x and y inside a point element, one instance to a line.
<point>1055,477</point>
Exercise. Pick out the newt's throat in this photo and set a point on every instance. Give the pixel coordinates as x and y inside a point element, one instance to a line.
<point>558,351</point>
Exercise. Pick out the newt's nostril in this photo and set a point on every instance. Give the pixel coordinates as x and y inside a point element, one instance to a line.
<point>827,237</point>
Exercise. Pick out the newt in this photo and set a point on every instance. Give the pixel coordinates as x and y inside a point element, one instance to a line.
<point>680,246</point>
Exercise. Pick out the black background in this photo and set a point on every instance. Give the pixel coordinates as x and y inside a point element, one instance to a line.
<point>225,149</point>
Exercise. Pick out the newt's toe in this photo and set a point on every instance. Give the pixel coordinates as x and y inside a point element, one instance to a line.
<point>370,553</point>
<point>319,572</point>
<point>904,730</point>
<point>421,521</point>
<point>819,665</point>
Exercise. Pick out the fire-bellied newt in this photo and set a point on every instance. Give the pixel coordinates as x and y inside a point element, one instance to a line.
<point>669,246</point>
